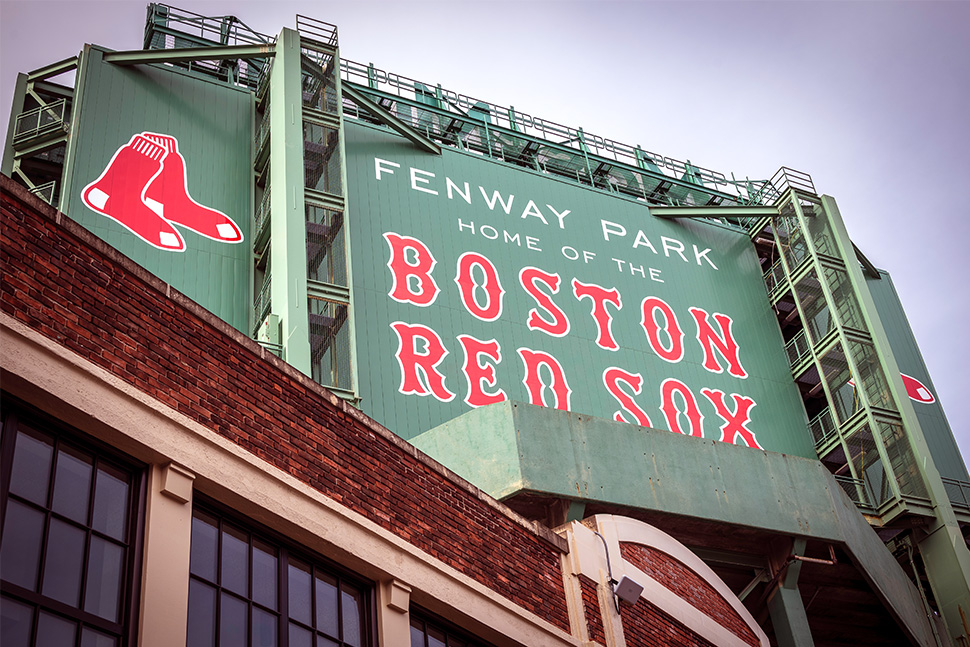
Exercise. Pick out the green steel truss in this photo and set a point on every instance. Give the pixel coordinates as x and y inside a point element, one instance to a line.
<point>863,421</point>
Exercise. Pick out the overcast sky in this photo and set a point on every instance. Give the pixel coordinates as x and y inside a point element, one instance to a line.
<point>870,98</point>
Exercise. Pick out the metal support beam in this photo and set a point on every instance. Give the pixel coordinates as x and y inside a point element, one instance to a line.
<point>17,106</point>
<point>39,147</point>
<point>867,265</point>
<point>288,285</point>
<point>53,69</point>
<point>185,54</point>
<point>713,212</point>
<point>399,126</point>
<point>788,615</point>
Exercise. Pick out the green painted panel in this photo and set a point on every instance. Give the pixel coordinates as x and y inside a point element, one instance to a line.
<point>513,447</point>
<point>558,227</point>
<point>193,167</point>
<point>932,419</point>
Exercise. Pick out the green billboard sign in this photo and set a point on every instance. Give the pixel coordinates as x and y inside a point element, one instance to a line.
<point>475,282</point>
<point>160,167</point>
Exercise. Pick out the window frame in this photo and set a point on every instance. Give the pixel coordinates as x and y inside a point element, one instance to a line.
<point>16,413</point>
<point>286,549</point>
<point>450,629</point>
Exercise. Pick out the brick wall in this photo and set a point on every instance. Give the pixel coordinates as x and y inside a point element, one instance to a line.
<point>73,288</point>
<point>645,625</point>
<point>591,609</point>
<point>679,578</point>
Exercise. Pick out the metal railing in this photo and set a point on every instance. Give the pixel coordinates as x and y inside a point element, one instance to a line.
<point>823,427</point>
<point>262,305</point>
<point>316,30</point>
<point>262,134</point>
<point>501,125</point>
<point>276,349</point>
<point>224,30</point>
<point>40,121</point>
<point>787,178</point>
<point>45,191</point>
<point>172,28</point>
<point>775,277</point>
<point>857,489</point>
<point>958,492</point>
<point>262,221</point>
<point>797,348</point>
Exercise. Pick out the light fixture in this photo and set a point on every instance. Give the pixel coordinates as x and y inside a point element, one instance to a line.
<point>627,589</point>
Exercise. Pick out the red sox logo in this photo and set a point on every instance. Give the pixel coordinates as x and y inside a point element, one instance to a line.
<point>145,189</point>
<point>917,390</point>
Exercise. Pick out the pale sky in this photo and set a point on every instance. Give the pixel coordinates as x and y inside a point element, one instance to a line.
<point>870,98</point>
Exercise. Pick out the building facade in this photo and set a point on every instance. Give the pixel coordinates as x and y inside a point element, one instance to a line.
<point>300,351</point>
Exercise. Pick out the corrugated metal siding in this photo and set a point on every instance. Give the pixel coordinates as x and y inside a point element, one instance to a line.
<point>932,420</point>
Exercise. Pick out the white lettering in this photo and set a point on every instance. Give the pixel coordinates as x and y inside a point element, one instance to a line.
<point>466,195</point>
<point>379,168</point>
<point>423,180</point>
<point>497,197</point>
<point>559,216</point>
<point>612,228</point>
<point>673,244</point>
<point>532,210</point>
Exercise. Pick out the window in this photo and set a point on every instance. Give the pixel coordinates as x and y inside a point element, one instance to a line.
<point>247,589</point>
<point>67,553</point>
<point>431,632</point>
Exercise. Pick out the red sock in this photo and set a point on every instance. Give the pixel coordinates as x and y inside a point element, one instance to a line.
<point>119,194</point>
<point>170,189</point>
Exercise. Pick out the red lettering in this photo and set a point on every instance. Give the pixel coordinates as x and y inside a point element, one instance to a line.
<point>672,413</point>
<point>533,360</point>
<point>559,325</point>
<point>477,373</point>
<point>723,341</point>
<point>419,368</point>
<point>651,306</point>
<point>735,422</point>
<point>600,296</point>
<point>411,281</point>
<point>467,286</point>
<point>611,378</point>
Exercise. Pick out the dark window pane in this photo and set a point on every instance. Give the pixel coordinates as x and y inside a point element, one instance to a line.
<point>235,560</point>
<point>299,591</point>
<point>72,484</point>
<point>202,615</point>
<point>323,641</point>
<point>350,612</point>
<point>417,634</point>
<point>300,637</point>
<point>264,574</point>
<point>264,628</point>
<point>92,638</point>
<point>326,605</point>
<point>110,502</point>
<point>232,622</point>
<point>30,474</point>
<point>456,642</point>
<point>436,637</point>
<point>23,530</point>
<point>54,631</point>
<point>102,590</point>
<point>15,621</point>
<point>65,559</point>
<point>205,546</point>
